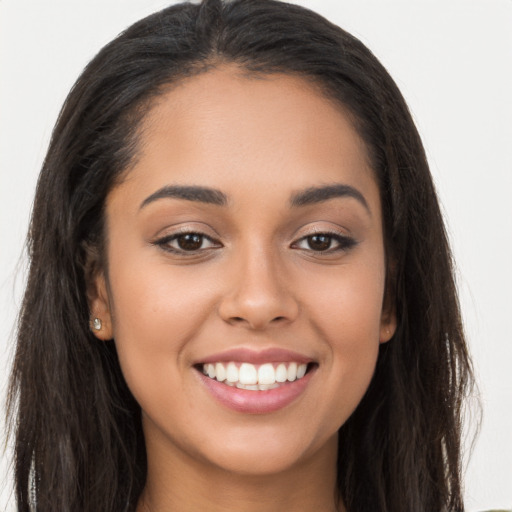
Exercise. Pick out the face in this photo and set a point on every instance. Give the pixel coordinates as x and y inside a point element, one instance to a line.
<point>246,243</point>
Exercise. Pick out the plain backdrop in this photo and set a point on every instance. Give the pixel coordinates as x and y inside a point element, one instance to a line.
<point>452,60</point>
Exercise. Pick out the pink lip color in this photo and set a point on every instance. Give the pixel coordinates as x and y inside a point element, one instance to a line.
<point>256,402</point>
<point>272,355</point>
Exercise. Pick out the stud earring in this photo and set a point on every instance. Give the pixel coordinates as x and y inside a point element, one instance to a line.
<point>96,324</point>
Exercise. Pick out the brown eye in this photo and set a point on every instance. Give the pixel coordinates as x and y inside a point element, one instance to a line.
<point>319,242</point>
<point>182,243</point>
<point>190,241</point>
<point>325,243</point>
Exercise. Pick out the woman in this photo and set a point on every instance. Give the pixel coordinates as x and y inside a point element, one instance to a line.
<point>240,292</point>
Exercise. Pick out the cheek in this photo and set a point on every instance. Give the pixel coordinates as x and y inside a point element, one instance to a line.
<point>345,308</point>
<point>155,313</point>
<point>149,296</point>
<point>141,302</point>
<point>346,302</point>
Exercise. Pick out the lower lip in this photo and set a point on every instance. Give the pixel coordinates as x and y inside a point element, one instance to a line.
<point>256,402</point>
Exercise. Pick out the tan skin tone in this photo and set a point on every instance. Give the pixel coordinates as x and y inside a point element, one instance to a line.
<point>258,277</point>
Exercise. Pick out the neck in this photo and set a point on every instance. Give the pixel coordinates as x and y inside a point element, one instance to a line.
<point>178,482</point>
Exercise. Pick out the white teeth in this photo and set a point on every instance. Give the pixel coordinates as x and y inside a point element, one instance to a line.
<point>220,372</point>
<point>292,371</point>
<point>281,373</point>
<point>265,387</point>
<point>266,374</point>
<point>248,376</point>
<point>232,373</point>
<point>252,387</point>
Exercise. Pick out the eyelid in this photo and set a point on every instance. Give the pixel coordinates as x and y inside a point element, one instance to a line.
<point>345,242</point>
<point>164,241</point>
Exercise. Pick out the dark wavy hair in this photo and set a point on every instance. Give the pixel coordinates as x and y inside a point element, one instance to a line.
<point>77,429</point>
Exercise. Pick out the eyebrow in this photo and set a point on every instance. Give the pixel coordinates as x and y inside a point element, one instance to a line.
<point>314,195</point>
<point>207,195</point>
<point>190,193</point>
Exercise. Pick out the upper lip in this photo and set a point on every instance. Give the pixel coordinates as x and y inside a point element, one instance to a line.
<point>247,355</point>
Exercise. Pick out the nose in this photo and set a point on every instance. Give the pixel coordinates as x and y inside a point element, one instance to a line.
<point>259,293</point>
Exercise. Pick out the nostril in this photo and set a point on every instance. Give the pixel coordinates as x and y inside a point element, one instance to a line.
<point>241,320</point>
<point>237,319</point>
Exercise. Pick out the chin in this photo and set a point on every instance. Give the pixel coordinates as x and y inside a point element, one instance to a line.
<point>267,454</point>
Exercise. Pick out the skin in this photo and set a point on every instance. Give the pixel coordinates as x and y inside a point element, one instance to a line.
<point>258,284</point>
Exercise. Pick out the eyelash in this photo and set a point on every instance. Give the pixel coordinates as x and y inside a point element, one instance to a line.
<point>165,242</point>
<point>344,243</point>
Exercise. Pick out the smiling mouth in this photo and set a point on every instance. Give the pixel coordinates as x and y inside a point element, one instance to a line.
<point>254,377</point>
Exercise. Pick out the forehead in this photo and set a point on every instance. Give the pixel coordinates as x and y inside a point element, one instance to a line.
<point>230,130</point>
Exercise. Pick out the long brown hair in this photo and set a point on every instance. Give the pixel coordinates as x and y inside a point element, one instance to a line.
<point>77,429</point>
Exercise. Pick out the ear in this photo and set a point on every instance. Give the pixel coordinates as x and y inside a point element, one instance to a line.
<point>100,320</point>
<point>99,307</point>
<point>387,325</point>
<point>388,322</point>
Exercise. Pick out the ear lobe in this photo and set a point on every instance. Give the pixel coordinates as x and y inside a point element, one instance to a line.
<point>388,321</point>
<point>100,321</point>
<point>388,326</point>
<point>99,306</point>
